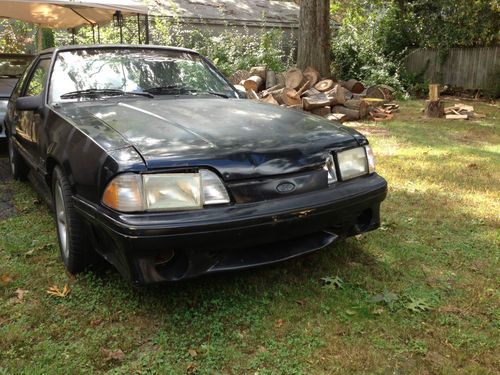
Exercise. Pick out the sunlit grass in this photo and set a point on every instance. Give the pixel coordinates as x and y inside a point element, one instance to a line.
<point>438,246</point>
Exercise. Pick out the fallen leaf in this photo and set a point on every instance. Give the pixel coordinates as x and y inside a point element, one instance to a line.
<point>300,302</point>
<point>113,355</point>
<point>20,294</point>
<point>418,305</point>
<point>193,353</point>
<point>330,282</point>
<point>278,323</point>
<point>6,279</point>
<point>55,291</point>
<point>378,311</point>
<point>472,166</point>
<point>191,368</point>
<point>261,349</point>
<point>96,322</point>
<point>350,312</point>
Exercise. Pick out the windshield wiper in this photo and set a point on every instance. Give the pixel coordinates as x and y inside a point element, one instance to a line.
<point>168,90</point>
<point>94,93</point>
<point>179,89</point>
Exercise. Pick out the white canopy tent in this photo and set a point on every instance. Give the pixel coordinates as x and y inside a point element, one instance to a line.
<point>68,14</point>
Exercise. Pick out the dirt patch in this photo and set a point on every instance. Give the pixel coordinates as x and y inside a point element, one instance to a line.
<point>7,208</point>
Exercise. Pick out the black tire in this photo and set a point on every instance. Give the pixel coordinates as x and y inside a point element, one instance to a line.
<point>18,166</point>
<point>76,251</point>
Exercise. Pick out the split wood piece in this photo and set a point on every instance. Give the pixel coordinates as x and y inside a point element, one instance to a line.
<point>270,90</point>
<point>289,97</point>
<point>337,94</point>
<point>269,99</point>
<point>473,115</point>
<point>457,117</point>
<point>239,87</point>
<point>304,87</point>
<point>260,71</point>
<point>434,108</point>
<point>352,114</point>
<point>317,101</point>
<point>253,83</point>
<point>433,92</point>
<point>323,111</point>
<point>324,85</point>
<point>359,105</point>
<point>311,92</point>
<point>294,78</point>
<point>312,75</point>
<point>251,94</point>
<point>238,76</point>
<point>353,86</point>
<point>270,79</point>
<point>337,117</point>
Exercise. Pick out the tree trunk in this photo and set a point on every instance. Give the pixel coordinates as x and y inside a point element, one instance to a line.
<point>314,36</point>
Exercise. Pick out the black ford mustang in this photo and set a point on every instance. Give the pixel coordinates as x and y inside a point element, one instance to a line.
<point>151,159</point>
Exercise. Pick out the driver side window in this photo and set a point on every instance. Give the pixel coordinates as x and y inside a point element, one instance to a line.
<point>38,80</point>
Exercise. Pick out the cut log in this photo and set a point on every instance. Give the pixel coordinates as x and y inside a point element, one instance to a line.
<point>434,108</point>
<point>238,76</point>
<point>270,90</point>
<point>294,78</point>
<point>360,105</point>
<point>304,87</point>
<point>270,79</point>
<point>278,95</point>
<point>280,79</point>
<point>352,114</point>
<point>253,83</point>
<point>312,75</point>
<point>324,85</point>
<point>353,86</point>
<point>323,111</point>
<point>311,92</point>
<point>290,97</point>
<point>379,92</point>
<point>251,94</point>
<point>269,99</point>
<point>433,92</point>
<point>338,94</point>
<point>337,117</point>
<point>317,101</point>
<point>260,71</point>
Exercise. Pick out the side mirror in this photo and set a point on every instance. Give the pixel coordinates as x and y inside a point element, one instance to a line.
<point>29,103</point>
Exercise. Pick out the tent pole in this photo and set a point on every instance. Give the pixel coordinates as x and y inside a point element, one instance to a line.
<point>73,36</point>
<point>39,38</point>
<point>139,28</point>
<point>93,34</point>
<point>98,34</point>
<point>147,29</point>
<point>121,34</point>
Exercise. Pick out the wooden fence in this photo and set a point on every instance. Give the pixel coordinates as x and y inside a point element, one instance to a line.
<point>470,68</point>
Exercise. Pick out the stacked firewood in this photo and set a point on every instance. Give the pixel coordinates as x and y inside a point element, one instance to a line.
<point>306,90</point>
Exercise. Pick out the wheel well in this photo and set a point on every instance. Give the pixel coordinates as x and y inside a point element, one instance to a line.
<point>50,165</point>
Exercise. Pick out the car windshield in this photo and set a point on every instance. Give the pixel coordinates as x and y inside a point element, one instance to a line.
<point>13,66</point>
<point>99,73</point>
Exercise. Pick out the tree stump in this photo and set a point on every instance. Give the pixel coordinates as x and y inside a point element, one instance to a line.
<point>434,108</point>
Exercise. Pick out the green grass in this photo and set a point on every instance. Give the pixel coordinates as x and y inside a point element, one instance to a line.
<point>420,295</point>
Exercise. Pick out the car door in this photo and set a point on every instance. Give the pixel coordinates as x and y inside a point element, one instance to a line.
<point>29,123</point>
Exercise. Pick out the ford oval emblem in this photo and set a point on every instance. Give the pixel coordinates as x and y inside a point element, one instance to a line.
<point>285,187</point>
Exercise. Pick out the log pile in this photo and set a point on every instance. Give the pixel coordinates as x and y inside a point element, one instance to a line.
<point>461,112</point>
<point>324,96</point>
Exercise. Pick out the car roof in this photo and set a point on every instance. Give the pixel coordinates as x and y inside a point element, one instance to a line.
<point>15,55</point>
<point>114,46</point>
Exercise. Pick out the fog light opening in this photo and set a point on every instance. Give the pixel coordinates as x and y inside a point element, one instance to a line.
<point>364,220</point>
<point>164,258</point>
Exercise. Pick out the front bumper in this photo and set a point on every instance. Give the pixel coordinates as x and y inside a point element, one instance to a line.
<point>157,247</point>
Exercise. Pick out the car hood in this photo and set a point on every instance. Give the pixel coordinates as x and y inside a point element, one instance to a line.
<point>240,138</point>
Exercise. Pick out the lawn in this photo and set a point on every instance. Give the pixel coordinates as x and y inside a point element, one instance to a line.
<point>420,295</point>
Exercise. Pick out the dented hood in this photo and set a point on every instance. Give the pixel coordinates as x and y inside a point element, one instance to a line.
<point>240,138</point>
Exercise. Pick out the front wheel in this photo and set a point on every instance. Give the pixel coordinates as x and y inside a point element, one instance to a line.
<point>76,252</point>
<point>18,166</point>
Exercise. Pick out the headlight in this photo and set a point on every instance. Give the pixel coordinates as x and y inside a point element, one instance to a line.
<point>355,162</point>
<point>164,191</point>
